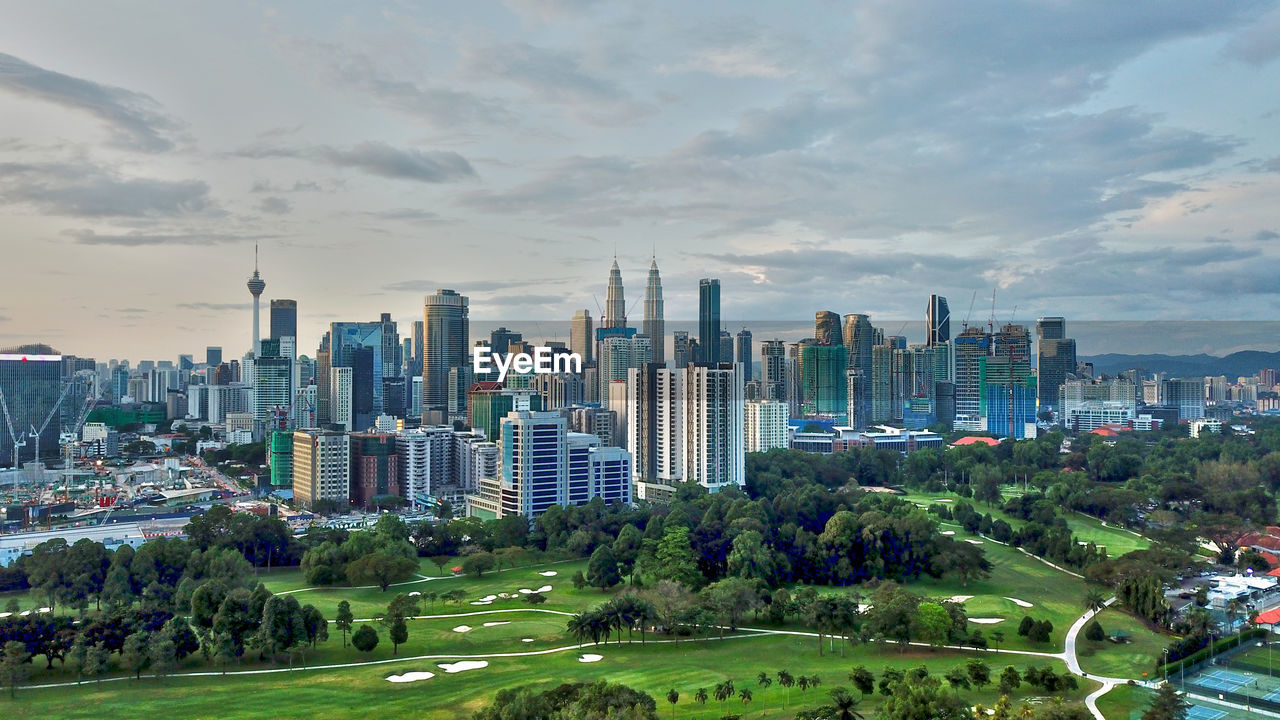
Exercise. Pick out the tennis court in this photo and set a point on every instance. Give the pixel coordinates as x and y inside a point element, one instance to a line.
<point>1200,712</point>
<point>1223,680</point>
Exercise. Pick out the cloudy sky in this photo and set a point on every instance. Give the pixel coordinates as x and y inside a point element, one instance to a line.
<point>1098,160</point>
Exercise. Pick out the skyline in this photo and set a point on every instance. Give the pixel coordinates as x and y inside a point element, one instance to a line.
<point>1094,162</point>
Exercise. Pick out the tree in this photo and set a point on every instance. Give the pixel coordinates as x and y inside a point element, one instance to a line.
<point>763,679</point>
<point>1010,680</point>
<point>535,598</point>
<point>786,680</point>
<point>95,662</point>
<point>401,607</point>
<point>1094,600</point>
<point>957,678</point>
<point>845,704</point>
<point>674,559</point>
<point>440,561</point>
<point>626,550</point>
<point>701,696</point>
<point>923,699</point>
<point>932,623</point>
<point>14,665</point>
<point>722,692</point>
<point>163,654</point>
<point>745,695</point>
<point>1093,631</point>
<point>344,620</point>
<point>281,627</point>
<point>1166,704</point>
<point>317,628</point>
<point>478,563</point>
<point>863,679</point>
<point>399,634</point>
<point>602,569</point>
<point>365,639</point>
<point>134,656</point>
<point>381,568</point>
<point>997,637</point>
<point>979,673</point>
<point>673,697</point>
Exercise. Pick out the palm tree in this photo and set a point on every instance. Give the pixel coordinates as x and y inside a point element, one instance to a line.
<point>846,704</point>
<point>786,680</point>
<point>763,680</point>
<point>745,694</point>
<point>814,681</point>
<point>701,697</point>
<point>997,637</point>
<point>673,697</point>
<point>1094,600</point>
<point>803,682</point>
<point>579,626</point>
<point>723,691</point>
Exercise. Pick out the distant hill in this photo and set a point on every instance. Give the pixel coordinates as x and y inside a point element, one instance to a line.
<point>1245,362</point>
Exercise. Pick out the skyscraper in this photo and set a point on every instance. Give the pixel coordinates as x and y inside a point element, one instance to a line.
<point>715,449</point>
<point>212,356</point>
<point>284,319</point>
<point>31,378</point>
<point>654,326</point>
<point>859,339</point>
<point>826,328</point>
<point>615,304</point>
<point>272,379</point>
<point>823,383</point>
<point>970,349</point>
<point>256,285</point>
<point>1056,358</point>
<point>582,335</point>
<point>682,352</point>
<point>773,370</point>
<point>937,321</point>
<point>501,339</point>
<point>726,346</point>
<point>445,344</point>
<point>742,353</point>
<point>709,320</point>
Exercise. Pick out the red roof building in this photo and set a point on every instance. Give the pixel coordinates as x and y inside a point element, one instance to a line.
<point>972,440</point>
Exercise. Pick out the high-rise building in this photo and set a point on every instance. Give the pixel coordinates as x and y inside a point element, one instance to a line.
<point>619,350</point>
<point>1186,394</point>
<point>582,336</point>
<point>726,346</point>
<point>709,320</point>
<point>415,363</point>
<point>937,321</point>
<point>375,469</point>
<point>501,339</point>
<point>490,402</point>
<point>212,356</point>
<point>340,398</point>
<point>31,379</point>
<point>742,353</point>
<point>1007,382</point>
<point>654,326</point>
<point>615,303</point>
<point>826,328</point>
<point>281,453</point>
<point>970,349</point>
<point>764,425</point>
<point>426,458</point>
<point>444,345</point>
<point>1056,358</point>
<point>284,319</point>
<point>272,378</point>
<point>256,285</point>
<point>823,383</point>
<point>882,384</point>
<point>713,412</point>
<point>773,370</point>
<point>321,467</point>
<point>859,339</point>
<point>682,351</point>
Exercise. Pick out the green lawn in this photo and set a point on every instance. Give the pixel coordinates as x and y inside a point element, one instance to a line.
<point>364,693</point>
<point>1129,660</point>
<point>1124,702</point>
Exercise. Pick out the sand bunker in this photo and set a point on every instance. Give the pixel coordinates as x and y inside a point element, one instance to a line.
<point>526,639</point>
<point>481,602</point>
<point>544,588</point>
<point>548,573</point>
<point>462,629</point>
<point>971,541</point>
<point>496,624</point>
<point>986,621</point>
<point>415,593</point>
<point>463,666</point>
<point>488,598</point>
<point>410,677</point>
<point>589,657</point>
<point>1019,603</point>
<point>944,500</point>
<point>948,532</point>
<point>526,591</point>
<point>959,598</point>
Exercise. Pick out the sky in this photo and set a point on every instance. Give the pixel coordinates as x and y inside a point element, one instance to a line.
<point>1096,160</point>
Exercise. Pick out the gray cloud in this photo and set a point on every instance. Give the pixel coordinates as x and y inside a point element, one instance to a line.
<point>266,186</point>
<point>413,215</point>
<point>377,158</point>
<point>82,189</point>
<point>1259,43</point>
<point>137,239</point>
<point>275,205</point>
<point>135,120</point>
<point>216,307</point>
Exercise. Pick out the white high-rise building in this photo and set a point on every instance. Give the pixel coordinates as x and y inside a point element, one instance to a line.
<point>616,356</point>
<point>424,461</point>
<point>340,396</point>
<point>714,449</point>
<point>764,425</point>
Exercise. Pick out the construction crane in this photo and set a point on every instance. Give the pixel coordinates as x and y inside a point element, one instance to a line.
<point>18,442</point>
<point>967,315</point>
<point>43,426</point>
<point>991,320</point>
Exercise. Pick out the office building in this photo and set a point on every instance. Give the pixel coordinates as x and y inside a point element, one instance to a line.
<point>212,357</point>
<point>284,319</point>
<point>742,353</point>
<point>500,340</point>
<point>445,345</point>
<point>709,321</point>
<point>859,339</point>
<point>826,328</point>
<point>654,325</point>
<point>31,379</point>
<point>490,402</point>
<point>823,379</point>
<point>1185,394</point>
<point>1056,358</point>
<point>375,469</point>
<point>582,336</point>
<point>682,350</point>
<point>764,425</point>
<point>773,370</point>
<point>615,304</point>
<point>937,321</point>
<point>619,350</point>
<point>321,467</point>
<point>970,349</point>
<point>272,378</point>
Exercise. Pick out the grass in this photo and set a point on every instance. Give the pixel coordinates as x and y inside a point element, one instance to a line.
<point>364,693</point>
<point>1124,702</point>
<point>1129,660</point>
